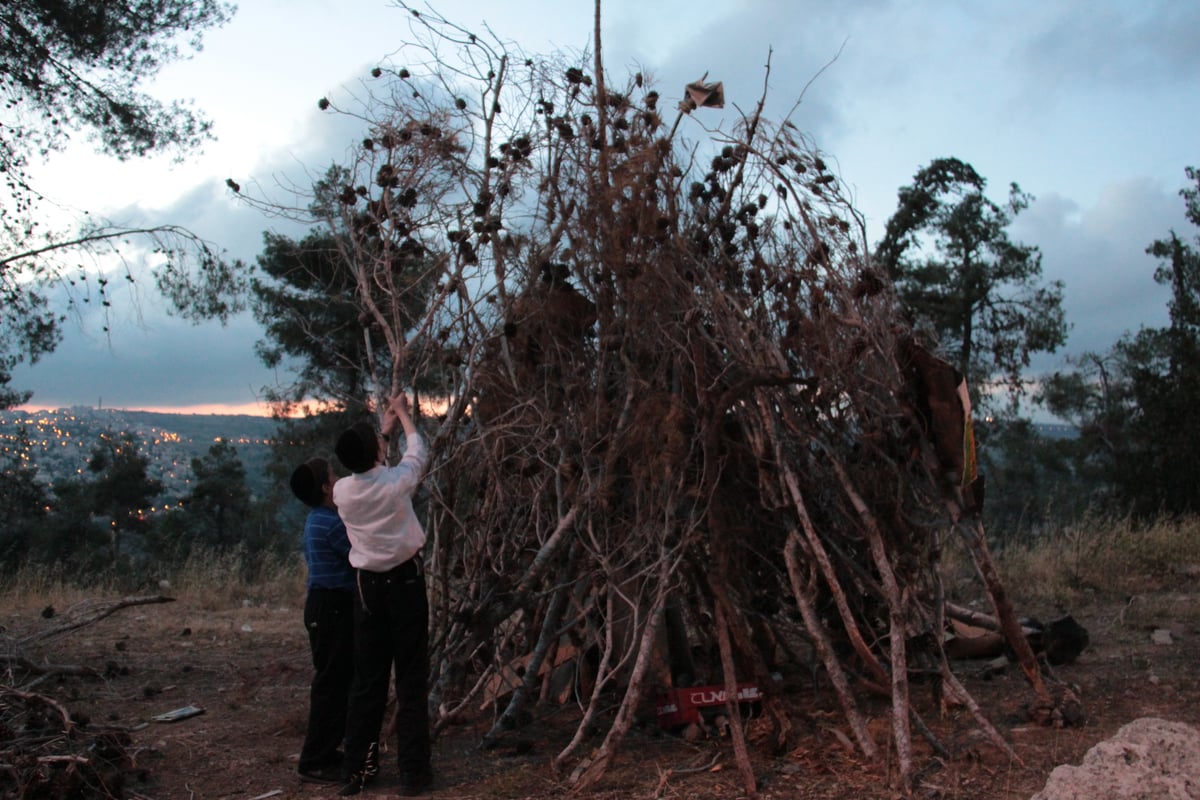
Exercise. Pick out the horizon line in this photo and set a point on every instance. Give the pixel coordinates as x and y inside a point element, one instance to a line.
<point>199,409</point>
<point>255,409</point>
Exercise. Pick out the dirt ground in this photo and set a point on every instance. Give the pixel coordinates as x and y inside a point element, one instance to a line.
<point>248,668</point>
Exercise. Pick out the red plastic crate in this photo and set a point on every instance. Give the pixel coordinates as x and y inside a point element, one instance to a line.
<point>682,706</point>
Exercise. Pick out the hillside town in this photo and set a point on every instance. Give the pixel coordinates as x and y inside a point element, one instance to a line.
<point>59,442</point>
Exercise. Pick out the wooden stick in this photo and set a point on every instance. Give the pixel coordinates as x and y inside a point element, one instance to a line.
<point>898,631</point>
<point>96,613</point>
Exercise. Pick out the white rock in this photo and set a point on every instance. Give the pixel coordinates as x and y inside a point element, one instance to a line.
<point>1162,636</point>
<point>1148,758</point>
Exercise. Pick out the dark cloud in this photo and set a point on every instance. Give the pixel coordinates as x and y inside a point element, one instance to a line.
<point>798,41</point>
<point>1100,255</point>
<point>163,361</point>
<point>148,357</point>
<point>1113,43</point>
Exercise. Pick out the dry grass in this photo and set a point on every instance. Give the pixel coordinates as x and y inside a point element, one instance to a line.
<point>36,586</point>
<point>1098,558</point>
<point>219,581</point>
<point>205,580</point>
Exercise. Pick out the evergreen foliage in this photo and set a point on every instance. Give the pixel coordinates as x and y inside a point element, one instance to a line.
<point>25,500</point>
<point>219,502</point>
<point>1135,404</point>
<point>967,284</point>
<point>122,491</point>
<point>72,67</point>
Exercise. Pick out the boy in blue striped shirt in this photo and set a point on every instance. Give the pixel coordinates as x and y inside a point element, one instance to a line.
<point>329,619</point>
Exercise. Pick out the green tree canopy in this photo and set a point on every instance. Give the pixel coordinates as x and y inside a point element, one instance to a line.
<point>219,498</point>
<point>122,489</point>
<point>966,282</point>
<point>1135,404</point>
<point>98,521</point>
<point>308,299</point>
<point>307,308</point>
<point>71,537</point>
<point>1166,380</point>
<point>72,67</point>
<point>1097,397</point>
<point>217,511</point>
<point>24,499</point>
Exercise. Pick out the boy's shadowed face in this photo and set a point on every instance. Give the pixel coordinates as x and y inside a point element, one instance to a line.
<point>327,489</point>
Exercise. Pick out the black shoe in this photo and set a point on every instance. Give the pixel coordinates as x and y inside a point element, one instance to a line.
<point>413,783</point>
<point>365,776</point>
<point>326,774</point>
<point>353,785</point>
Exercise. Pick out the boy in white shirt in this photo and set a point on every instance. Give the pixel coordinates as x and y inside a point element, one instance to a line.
<point>391,613</point>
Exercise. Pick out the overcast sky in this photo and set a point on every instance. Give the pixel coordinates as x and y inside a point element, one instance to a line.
<point>1090,106</point>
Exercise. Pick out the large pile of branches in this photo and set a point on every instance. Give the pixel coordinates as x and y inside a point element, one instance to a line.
<point>683,432</point>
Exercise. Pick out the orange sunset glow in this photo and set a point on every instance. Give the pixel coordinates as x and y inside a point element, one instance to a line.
<point>248,409</point>
<point>428,407</point>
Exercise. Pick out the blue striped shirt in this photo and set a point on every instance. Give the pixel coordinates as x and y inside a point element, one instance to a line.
<point>327,551</point>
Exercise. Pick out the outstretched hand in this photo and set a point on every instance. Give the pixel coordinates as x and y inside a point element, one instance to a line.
<point>398,410</point>
<point>398,405</point>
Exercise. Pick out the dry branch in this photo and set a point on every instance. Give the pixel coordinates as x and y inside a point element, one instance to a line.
<point>45,754</point>
<point>23,664</point>
<point>87,613</point>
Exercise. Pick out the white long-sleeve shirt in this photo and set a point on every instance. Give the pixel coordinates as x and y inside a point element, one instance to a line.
<point>376,507</point>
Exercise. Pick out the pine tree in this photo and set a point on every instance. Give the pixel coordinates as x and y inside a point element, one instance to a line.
<point>974,290</point>
<point>71,67</point>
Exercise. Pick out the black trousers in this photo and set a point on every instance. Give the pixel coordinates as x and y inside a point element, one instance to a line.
<point>391,635</point>
<point>329,618</point>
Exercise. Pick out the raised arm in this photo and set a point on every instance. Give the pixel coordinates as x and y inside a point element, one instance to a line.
<point>396,415</point>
